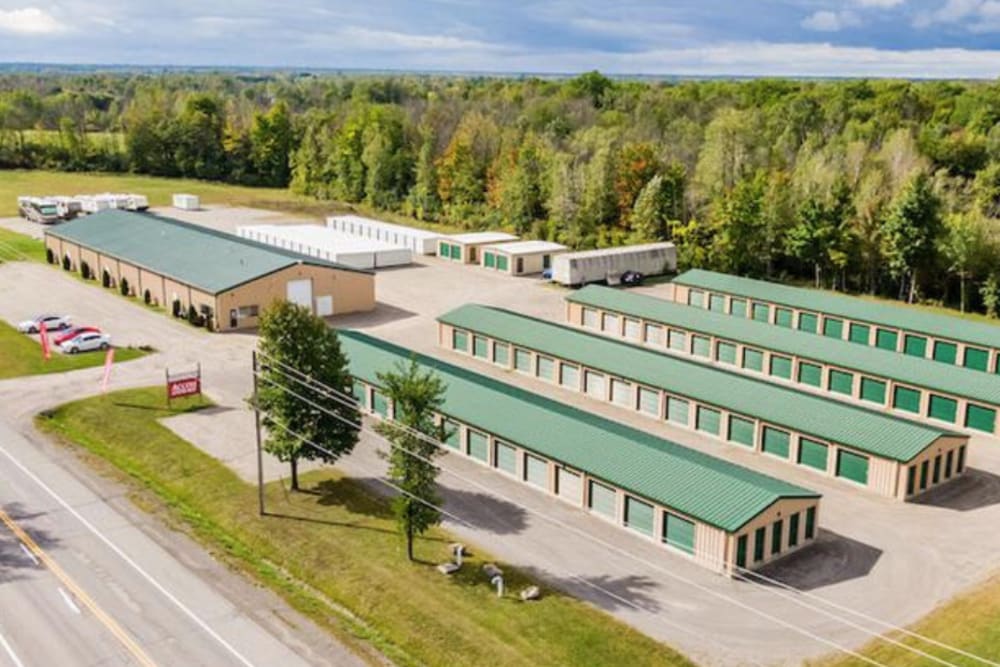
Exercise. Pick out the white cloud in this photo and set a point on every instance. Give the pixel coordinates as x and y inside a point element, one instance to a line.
<point>879,4</point>
<point>631,29</point>
<point>827,21</point>
<point>382,40</point>
<point>977,15</point>
<point>30,21</point>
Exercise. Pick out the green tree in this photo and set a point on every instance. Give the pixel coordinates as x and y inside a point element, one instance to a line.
<point>197,138</point>
<point>986,189</point>
<point>272,142</point>
<point>989,292</point>
<point>417,396</point>
<point>910,233</point>
<point>423,202</point>
<point>296,343</point>
<point>740,227</point>
<point>962,245</point>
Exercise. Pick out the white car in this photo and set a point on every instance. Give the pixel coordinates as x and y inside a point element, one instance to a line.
<point>86,342</point>
<point>52,323</point>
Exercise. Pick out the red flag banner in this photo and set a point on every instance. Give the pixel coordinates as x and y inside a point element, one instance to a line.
<point>43,335</point>
<point>109,359</point>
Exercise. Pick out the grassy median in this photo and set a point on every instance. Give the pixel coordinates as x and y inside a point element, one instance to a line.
<point>333,551</point>
<point>22,355</point>
<point>17,247</point>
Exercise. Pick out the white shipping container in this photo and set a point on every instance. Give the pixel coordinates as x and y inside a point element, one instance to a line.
<point>420,241</point>
<point>187,202</point>
<point>580,268</point>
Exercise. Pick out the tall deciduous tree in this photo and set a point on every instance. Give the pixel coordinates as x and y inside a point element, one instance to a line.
<point>417,395</point>
<point>910,231</point>
<point>293,340</point>
<point>962,247</point>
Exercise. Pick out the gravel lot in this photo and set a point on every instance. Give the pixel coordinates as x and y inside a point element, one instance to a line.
<point>894,561</point>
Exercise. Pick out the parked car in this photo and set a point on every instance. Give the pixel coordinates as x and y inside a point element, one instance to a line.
<point>86,342</point>
<point>632,278</point>
<point>52,323</point>
<point>547,274</point>
<point>73,332</point>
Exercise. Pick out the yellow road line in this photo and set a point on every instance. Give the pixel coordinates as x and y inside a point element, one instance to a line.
<point>78,592</point>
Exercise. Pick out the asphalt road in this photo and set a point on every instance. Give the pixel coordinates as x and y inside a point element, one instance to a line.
<point>84,582</point>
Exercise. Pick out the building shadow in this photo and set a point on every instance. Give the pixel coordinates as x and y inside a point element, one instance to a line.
<point>404,267</point>
<point>15,563</point>
<point>833,558</point>
<point>973,490</point>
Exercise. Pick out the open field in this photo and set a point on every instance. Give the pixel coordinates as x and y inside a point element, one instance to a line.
<point>15,247</point>
<point>343,540</point>
<point>160,190</point>
<point>23,356</point>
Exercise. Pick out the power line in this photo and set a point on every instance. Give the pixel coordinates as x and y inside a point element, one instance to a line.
<point>350,401</point>
<point>677,577</point>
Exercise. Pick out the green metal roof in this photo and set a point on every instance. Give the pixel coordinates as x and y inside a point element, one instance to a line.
<point>868,431</point>
<point>203,258</point>
<point>873,361</point>
<point>708,489</point>
<point>841,305</point>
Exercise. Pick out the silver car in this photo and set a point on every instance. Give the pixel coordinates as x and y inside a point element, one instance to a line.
<point>86,342</point>
<point>52,323</point>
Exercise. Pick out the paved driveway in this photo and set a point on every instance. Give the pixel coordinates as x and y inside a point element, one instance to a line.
<point>896,562</point>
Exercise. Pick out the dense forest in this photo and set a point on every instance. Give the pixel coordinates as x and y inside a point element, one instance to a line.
<point>884,187</point>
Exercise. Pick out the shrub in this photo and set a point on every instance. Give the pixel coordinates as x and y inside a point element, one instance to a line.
<point>85,270</point>
<point>50,256</point>
<point>175,308</point>
<point>193,316</point>
<point>106,278</point>
<point>66,263</point>
<point>124,287</point>
<point>147,297</point>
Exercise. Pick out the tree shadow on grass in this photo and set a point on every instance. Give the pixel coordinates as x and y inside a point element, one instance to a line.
<point>833,558</point>
<point>14,562</point>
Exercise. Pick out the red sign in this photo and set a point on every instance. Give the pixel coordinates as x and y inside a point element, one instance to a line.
<point>183,387</point>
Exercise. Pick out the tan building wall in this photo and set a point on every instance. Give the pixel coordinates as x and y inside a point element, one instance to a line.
<point>783,510</point>
<point>530,264</point>
<point>131,274</point>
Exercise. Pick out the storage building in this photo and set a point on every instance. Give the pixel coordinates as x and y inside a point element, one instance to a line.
<point>186,202</point>
<point>228,280</point>
<point>889,327</point>
<point>465,248</point>
<point>419,241</point>
<point>329,244</point>
<point>910,387</point>
<point>589,266</point>
<point>887,455</point>
<point>722,515</point>
<point>521,257</point>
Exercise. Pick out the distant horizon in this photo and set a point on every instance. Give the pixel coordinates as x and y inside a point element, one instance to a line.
<point>65,67</point>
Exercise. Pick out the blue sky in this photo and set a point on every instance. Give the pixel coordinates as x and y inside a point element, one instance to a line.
<point>916,38</point>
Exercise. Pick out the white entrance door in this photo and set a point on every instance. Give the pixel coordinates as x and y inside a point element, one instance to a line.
<point>324,306</point>
<point>300,292</point>
<point>569,486</point>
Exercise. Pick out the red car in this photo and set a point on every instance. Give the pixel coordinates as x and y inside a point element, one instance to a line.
<point>73,332</point>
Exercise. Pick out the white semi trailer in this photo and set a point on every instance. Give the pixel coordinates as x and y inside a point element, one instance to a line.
<point>607,264</point>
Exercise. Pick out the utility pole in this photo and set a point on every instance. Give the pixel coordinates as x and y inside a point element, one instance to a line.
<point>260,456</point>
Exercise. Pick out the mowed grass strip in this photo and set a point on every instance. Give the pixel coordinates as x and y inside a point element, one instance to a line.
<point>970,622</point>
<point>16,247</point>
<point>21,355</point>
<point>339,539</point>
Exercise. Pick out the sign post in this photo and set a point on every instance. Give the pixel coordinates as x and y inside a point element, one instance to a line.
<point>256,415</point>
<point>183,384</point>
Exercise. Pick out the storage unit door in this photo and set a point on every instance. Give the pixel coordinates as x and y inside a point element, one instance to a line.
<point>858,333</point>
<point>725,352</point>
<point>678,532</point>
<point>380,403</point>
<point>700,346</point>
<point>602,499</point>
<point>452,434</point>
<point>980,418</point>
<point>753,359</point>
<point>873,390</point>
<point>886,339</point>
<point>677,410</point>
<point>536,471</point>
<point>841,382</point>
<point>738,307</point>
<point>813,454</point>
<point>943,408</point>
<point>300,292</point>
<point>761,312</point>
<point>852,466</point>
<point>707,420</point>
<point>717,303</point>
<point>976,358</point>
<point>808,322</point>
<point>569,485</point>
<point>638,515</point>
<point>741,431</point>
<point>503,262</point>
<point>479,446</point>
<point>324,306</point>
<point>489,260</point>
<point>906,399</point>
<point>945,352</point>
<point>810,374</point>
<point>915,346</point>
<point>506,457</point>
<point>781,367</point>
<point>833,328</point>
<point>360,392</point>
<point>776,442</point>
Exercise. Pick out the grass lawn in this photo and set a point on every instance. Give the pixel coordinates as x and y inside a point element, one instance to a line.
<point>970,622</point>
<point>335,547</point>
<point>161,190</point>
<point>22,355</point>
<point>14,247</point>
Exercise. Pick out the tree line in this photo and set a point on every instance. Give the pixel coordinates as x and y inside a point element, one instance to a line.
<point>883,187</point>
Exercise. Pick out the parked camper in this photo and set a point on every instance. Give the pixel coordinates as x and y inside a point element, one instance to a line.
<point>608,264</point>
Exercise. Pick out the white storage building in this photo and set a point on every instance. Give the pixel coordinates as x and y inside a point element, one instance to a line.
<point>580,268</point>
<point>187,202</point>
<point>465,248</point>
<point>420,241</point>
<point>521,257</point>
<point>326,243</point>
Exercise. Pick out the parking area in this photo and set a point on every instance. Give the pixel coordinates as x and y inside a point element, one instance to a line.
<point>894,561</point>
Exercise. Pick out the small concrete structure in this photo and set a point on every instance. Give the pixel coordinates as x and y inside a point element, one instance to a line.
<point>521,257</point>
<point>465,248</point>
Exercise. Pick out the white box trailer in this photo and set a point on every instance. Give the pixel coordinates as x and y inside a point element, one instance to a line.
<point>420,241</point>
<point>328,244</point>
<point>589,266</point>
<point>187,202</point>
